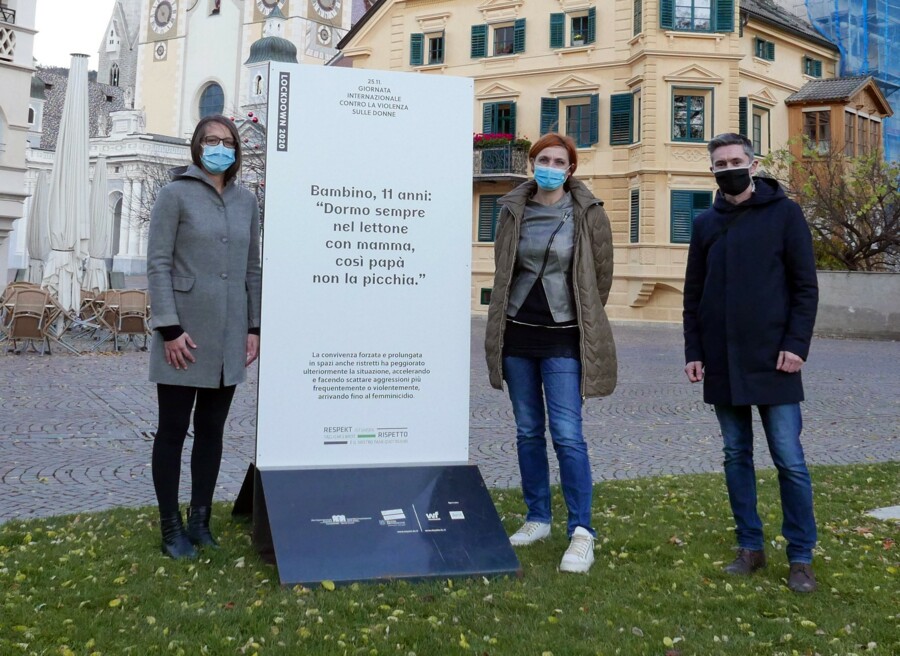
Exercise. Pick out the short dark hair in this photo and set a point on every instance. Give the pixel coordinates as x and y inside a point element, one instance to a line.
<point>197,143</point>
<point>731,139</point>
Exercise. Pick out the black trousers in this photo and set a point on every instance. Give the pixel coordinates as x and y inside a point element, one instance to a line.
<point>210,413</point>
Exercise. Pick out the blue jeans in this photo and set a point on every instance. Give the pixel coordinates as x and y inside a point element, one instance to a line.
<point>560,379</point>
<point>782,425</point>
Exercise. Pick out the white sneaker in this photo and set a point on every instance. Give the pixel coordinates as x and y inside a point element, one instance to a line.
<point>530,533</point>
<point>580,555</point>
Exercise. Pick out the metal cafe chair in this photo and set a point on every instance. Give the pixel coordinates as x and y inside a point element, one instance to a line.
<point>105,310</point>
<point>28,320</point>
<point>133,316</point>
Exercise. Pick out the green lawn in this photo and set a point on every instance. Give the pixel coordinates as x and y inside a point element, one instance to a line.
<point>97,584</point>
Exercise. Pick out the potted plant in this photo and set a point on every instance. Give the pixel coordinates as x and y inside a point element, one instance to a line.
<point>499,140</point>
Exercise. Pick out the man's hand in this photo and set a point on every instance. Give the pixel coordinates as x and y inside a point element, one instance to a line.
<point>788,362</point>
<point>694,371</point>
<point>177,352</point>
<point>252,348</point>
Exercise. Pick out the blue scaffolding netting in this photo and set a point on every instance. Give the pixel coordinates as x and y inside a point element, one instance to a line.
<point>867,33</point>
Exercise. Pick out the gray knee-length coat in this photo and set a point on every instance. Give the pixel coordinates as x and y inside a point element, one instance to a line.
<point>203,271</point>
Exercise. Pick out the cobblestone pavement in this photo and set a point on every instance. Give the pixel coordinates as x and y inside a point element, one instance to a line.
<point>75,432</point>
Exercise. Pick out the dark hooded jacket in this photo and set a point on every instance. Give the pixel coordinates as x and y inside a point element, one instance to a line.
<point>750,291</point>
<point>592,272</point>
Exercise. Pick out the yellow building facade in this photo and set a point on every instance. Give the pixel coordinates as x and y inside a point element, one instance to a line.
<point>640,84</point>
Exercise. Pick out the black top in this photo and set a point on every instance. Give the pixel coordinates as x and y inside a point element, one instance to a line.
<point>532,333</point>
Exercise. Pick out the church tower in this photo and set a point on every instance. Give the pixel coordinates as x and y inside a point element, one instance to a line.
<point>272,47</point>
<point>118,51</point>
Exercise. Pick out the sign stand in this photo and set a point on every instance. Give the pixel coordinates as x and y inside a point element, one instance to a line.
<point>346,525</point>
<point>363,407</point>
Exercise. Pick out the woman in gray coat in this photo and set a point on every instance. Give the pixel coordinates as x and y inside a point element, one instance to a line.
<point>203,269</point>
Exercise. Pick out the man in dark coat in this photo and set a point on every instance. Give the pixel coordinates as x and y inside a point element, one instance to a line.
<point>750,298</point>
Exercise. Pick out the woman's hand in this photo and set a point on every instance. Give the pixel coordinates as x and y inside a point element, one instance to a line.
<point>178,351</point>
<point>252,348</point>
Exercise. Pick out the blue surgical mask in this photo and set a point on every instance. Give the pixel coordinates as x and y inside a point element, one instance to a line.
<point>217,159</point>
<point>549,178</point>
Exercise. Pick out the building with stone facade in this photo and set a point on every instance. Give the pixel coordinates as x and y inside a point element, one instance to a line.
<point>16,66</point>
<point>117,63</point>
<point>641,85</point>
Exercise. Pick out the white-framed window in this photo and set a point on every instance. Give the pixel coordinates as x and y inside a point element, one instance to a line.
<point>691,114</point>
<point>760,130</point>
<point>817,128</point>
<point>574,28</point>
<point>498,39</point>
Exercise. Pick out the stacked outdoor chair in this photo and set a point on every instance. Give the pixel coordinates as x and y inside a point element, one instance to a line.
<point>133,316</point>
<point>106,310</point>
<point>27,319</point>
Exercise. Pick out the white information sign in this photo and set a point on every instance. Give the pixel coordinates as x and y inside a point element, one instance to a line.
<point>366,269</point>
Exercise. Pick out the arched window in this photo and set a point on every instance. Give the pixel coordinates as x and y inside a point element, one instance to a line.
<point>114,75</point>
<point>212,100</point>
<point>31,116</point>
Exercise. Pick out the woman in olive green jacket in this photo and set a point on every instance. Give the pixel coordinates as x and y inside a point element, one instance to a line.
<point>548,335</point>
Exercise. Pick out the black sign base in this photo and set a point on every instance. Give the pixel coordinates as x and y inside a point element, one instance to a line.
<point>346,525</point>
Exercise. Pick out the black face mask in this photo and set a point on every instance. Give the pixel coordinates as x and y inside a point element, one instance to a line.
<point>733,181</point>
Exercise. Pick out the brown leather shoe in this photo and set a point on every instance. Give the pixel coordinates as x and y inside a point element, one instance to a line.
<point>747,562</point>
<point>801,578</point>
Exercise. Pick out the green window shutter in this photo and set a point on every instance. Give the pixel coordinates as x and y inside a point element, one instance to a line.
<point>686,206</point>
<point>594,131</point>
<point>557,30</point>
<point>489,118</point>
<point>817,68</point>
<point>667,14</point>
<point>519,35</point>
<point>549,115</point>
<point>682,216</point>
<point>742,115</point>
<point>416,49</point>
<point>512,118</point>
<point>488,211</point>
<point>724,15</point>
<point>634,226</point>
<point>592,25</point>
<point>479,41</point>
<point>620,118</point>
<point>770,51</point>
<point>638,16</point>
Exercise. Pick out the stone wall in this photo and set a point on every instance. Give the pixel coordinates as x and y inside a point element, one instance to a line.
<point>859,304</point>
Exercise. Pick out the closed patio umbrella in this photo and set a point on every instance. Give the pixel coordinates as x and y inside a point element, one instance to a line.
<point>68,210</point>
<point>100,242</point>
<point>37,234</point>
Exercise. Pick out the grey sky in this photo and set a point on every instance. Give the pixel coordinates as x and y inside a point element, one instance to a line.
<point>65,26</point>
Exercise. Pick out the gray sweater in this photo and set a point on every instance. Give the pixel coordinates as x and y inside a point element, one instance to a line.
<point>203,271</point>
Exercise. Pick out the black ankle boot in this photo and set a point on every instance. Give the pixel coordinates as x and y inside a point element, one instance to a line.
<point>175,542</point>
<point>198,527</point>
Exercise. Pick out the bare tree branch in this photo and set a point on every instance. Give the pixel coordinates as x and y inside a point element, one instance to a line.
<point>852,205</point>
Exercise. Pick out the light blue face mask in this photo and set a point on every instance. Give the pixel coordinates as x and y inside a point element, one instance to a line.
<point>549,178</point>
<point>217,159</point>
